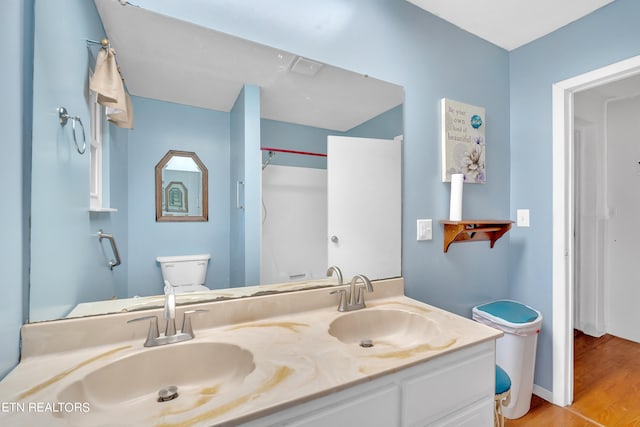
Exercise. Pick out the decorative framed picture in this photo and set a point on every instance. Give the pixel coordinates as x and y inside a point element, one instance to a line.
<point>463,141</point>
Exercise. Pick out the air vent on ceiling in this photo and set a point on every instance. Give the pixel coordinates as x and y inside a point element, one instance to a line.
<point>306,66</point>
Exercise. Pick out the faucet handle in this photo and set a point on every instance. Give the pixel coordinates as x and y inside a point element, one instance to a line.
<point>153,333</point>
<point>342,305</point>
<point>187,328</point>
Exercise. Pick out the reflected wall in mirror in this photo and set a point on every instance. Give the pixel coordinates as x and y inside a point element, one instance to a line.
<point>194,89</point>
<point>182,193</point>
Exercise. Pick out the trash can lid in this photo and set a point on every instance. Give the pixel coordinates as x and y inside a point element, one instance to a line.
<point>510,311</point>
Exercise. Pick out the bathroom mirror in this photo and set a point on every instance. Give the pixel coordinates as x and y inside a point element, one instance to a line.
<point>163,66</point>
<point>181,188</point>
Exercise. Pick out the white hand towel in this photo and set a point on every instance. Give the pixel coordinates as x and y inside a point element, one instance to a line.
<point>107,82</point>
<point>123,119</point>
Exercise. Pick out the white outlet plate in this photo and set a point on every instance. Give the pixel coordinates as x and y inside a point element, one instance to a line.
<point>522,216</point>
<point>425,229</point>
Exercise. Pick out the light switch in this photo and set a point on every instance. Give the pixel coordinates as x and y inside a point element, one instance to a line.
<point>425,229</point>
<point>522,217</point>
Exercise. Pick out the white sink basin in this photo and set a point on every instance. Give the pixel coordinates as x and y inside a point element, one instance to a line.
<point>137,379</point>
<point>383,328</point>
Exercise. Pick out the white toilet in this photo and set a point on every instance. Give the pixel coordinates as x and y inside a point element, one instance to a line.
<point>185,273</point>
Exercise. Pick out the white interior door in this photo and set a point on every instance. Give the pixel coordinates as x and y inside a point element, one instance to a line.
<point>364,201</point>
<point>623,172</point>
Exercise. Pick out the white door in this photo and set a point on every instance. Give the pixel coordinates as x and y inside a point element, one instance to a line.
<point>364,201</point>
<point>623,179</point>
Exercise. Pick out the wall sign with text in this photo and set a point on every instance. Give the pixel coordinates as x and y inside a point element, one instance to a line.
<point>463,143</point>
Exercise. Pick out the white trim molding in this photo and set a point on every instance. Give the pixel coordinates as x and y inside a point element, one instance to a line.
<point>543,393</point>
<point>563,210</point>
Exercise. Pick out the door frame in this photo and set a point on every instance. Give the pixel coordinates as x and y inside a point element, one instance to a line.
<point>563,250</point>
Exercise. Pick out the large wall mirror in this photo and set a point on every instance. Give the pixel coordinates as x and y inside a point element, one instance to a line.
<point>194,90</point>
<point>182,193</point>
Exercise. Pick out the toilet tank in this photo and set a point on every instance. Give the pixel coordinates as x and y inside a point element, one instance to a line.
<point>184,270</point>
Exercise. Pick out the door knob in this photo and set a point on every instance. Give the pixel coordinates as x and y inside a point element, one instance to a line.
<point>334,239</point>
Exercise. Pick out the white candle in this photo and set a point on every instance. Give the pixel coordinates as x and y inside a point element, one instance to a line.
<point>455,204</point>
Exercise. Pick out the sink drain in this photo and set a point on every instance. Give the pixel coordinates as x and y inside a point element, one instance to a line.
<point>168,393</point>
<point>366,343</point>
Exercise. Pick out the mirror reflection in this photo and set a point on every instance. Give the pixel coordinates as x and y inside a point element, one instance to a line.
<point>222,98</point>
<point>181,188</point>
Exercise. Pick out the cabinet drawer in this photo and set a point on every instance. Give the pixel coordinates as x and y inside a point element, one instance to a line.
<point>449,388</point>
<point>480,414</point>
<point>374,409</point>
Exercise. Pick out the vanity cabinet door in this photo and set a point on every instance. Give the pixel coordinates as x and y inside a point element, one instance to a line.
<point>378,408</point>
<point>455,389</point>
<point>449,386</point>
<point>374,404</point>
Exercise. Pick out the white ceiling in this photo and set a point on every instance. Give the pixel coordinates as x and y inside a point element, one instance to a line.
<point>627,87</point>
<point>510,23</point>
<point>164,58</point>
<point>172,60</point>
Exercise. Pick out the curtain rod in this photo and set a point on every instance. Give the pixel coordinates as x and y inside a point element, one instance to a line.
<point>282,150</point>
<point>104,43</point>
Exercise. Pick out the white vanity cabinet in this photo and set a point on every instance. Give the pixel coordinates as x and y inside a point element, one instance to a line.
<point>454,389</point>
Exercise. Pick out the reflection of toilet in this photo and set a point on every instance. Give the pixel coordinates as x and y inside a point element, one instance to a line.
<point>185,273</point>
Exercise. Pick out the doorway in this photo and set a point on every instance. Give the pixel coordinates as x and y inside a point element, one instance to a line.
<point>606,168</point>
<point>564,196</point>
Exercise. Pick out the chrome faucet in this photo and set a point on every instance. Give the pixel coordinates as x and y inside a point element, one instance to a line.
<point>170,335</point>
<point>335,269</point>
<point>354,302</point>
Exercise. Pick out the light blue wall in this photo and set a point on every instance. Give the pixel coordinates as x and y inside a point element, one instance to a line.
<point>246,222</point>
<point>63,233</point>
<point>236,191</point>
<point>253,185</point>
<point>387,125</point>
<point>395,41</point>
<point>160,127</point>
<point>608,35</point>
<point>117,188</point>
<point>16,20</point>
<point>290,136</point>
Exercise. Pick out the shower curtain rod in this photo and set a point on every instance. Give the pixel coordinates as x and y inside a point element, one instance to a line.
<point>282,150</point>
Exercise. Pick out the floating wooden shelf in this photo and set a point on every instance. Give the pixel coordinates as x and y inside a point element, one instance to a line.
<point>474,230</point>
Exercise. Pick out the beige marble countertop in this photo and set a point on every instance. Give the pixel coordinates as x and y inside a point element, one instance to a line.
<point>155,301</point>
<point>295,359</point>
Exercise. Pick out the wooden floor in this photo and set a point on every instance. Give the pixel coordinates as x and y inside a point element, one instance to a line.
<point>606,388</point>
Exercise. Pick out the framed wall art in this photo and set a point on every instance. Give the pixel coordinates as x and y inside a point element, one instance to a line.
<point>463,141</point>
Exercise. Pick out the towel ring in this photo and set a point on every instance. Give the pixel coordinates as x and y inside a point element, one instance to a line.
<point>64,118</point>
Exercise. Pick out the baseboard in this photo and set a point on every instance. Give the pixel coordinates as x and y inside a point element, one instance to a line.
<point>543,393</point>
<point>593,331</point>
